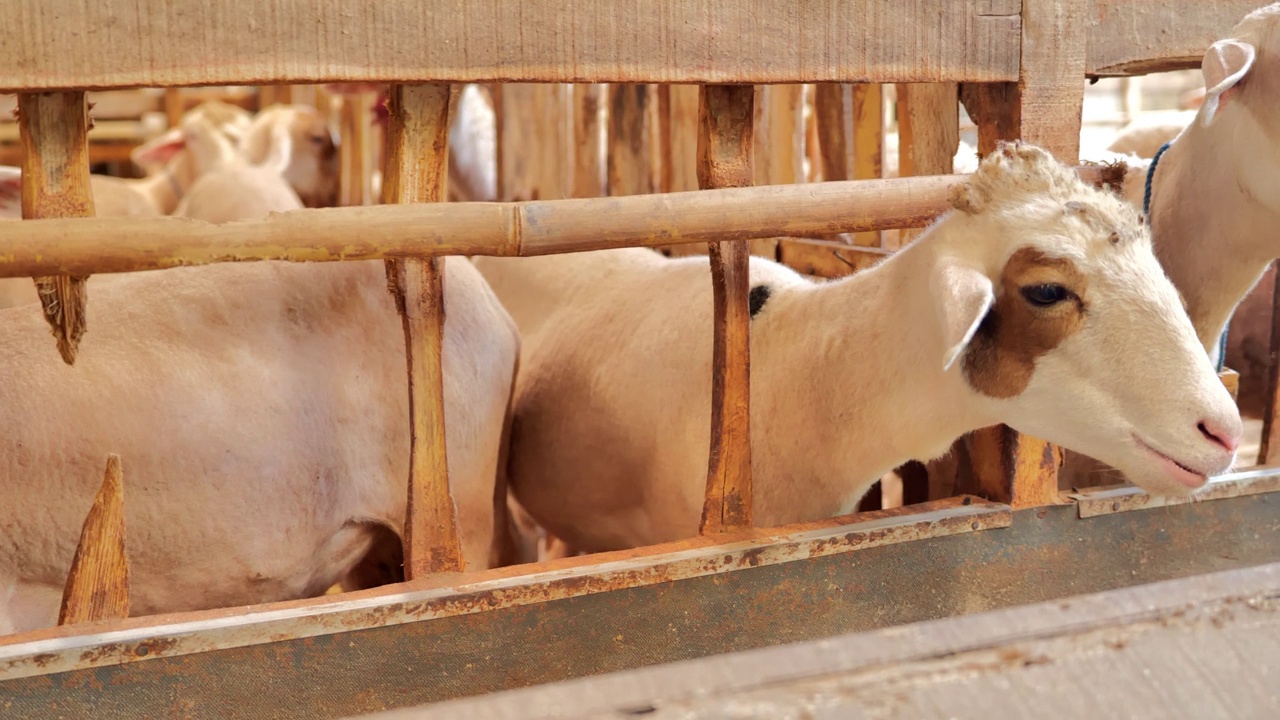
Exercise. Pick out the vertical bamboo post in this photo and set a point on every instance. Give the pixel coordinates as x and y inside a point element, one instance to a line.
<point>173,106</point>
<point>629,139</point>
<point>53,130</point>
<point>417,159</point>
<point>588,137</point>
<point>725,160</point>
<point>97,585</point>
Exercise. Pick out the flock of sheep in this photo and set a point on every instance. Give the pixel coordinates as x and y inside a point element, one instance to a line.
<point>261,411</point>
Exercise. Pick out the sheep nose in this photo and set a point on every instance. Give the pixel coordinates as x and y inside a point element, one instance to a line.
<point>1215,433</point>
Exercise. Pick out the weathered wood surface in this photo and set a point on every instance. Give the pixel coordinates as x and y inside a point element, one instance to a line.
<point>53,128</point>
<point>588,140</point>
<point>779,145</point>
<point>928,133</point>
<point>1192,648</point>
<point>725,160</point>
<point>535,141</point>
<point>97,586</point>
<point>631,138</point>
<point>417,161</point>
<point>355,155</point>
<point>46,247</point>
<point>1135,37</point>
<point>1270,446</point>
<point>226,42</point>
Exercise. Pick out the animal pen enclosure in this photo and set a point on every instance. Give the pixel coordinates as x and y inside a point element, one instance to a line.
<point>704,100</point>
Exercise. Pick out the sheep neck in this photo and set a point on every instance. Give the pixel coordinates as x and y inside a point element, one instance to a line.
<point>1205,230</point>
<point>863,357</point>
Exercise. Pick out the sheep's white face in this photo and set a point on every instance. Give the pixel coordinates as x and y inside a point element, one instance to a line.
<point>1084,341</point>
<point>311,167</point>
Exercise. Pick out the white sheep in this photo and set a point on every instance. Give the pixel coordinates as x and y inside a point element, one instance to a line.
<point>261,412</point>
<point>312,164</point>
<point>1038,304</point>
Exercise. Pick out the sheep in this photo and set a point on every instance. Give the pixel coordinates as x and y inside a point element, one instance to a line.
<point>1144,136</point>
<point>1036,302</point>
<point>312,166</point>
<point>261,412</point>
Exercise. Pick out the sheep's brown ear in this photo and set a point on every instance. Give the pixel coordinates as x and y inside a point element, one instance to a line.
<point>962,296</point>
<point>1224,66</point>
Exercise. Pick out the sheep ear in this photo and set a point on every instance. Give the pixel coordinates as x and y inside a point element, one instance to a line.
<point>962,296</point>
<point>158,151</point>
<point>1224,66</point>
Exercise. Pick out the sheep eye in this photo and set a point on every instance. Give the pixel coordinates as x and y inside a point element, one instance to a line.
<point>1045,295</point>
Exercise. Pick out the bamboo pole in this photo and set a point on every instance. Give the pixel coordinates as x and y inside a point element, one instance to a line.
<point>97,586</point>
<point>417,159</point>
<point>725,160</point>
<point>129,244</point>
<point>53,130</point>
<point>354,155</point>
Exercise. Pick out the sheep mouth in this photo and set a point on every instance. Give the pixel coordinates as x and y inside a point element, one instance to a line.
<point>1185,475</point>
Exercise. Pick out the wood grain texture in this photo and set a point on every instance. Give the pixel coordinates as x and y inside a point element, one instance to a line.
<point>46,247</point>
<point>1051,78</point>
<point>630,137</point>
<point>588,140</point>
<point>678,134</point>
<point>227,42</point>
<point>355,153</point>
<point>53,130</point>
<point>868,144</point>
<point>97,586</point>
<point>535,138</point>
<point>725,160</point>
<point>1135,37</point>
<point>928,133</point>
<point>417,162</point>
<point>779,145</point>
<point>833,121</point>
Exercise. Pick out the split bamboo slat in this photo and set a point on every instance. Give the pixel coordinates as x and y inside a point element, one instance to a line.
<point>97,586</point>
<point>417,161</point>
<point>725,160</point>
<point>54,129</point>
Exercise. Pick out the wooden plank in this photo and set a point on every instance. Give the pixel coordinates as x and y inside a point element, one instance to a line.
<point>97,586</point>
<point>47,247</point>
<point>53,129</point>
<point>833,120</point>
<point>928,133</point>
<point>1128,646</point>
<point>725,160</point>
<point>868,144</point>
<point>778,145</point>
<point>630,136</point>
<point>417,162</point>
<point>535,157</point>
<point>679,138</point>
<point>588,140</point>
<point>1129,37</point>
<point>228,42</point>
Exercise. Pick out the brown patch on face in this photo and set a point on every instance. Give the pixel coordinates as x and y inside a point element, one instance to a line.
<point>1015,333</point>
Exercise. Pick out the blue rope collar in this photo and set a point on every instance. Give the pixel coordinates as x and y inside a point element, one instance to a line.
<point>1146,210</point>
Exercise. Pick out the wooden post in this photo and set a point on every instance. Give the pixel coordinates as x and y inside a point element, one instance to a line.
<point>173,106</point>
<point>355,156</point>
<point>53,130</point>
<point>535,153</point>
<point>928,133</point>
<point>834,129</point>
<point>97,585</point>
<point>725,160</point>
<point>629,139</point>
<point>588,140</point>
<point>417,160</point>
<point>868,144</point>
<point>779,145</point>
<point>679,137</point>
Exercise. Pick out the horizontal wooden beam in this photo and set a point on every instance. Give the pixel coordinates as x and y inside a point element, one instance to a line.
<point>1136,37</point>
<point>230,42</point>
<point>541,227</point>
